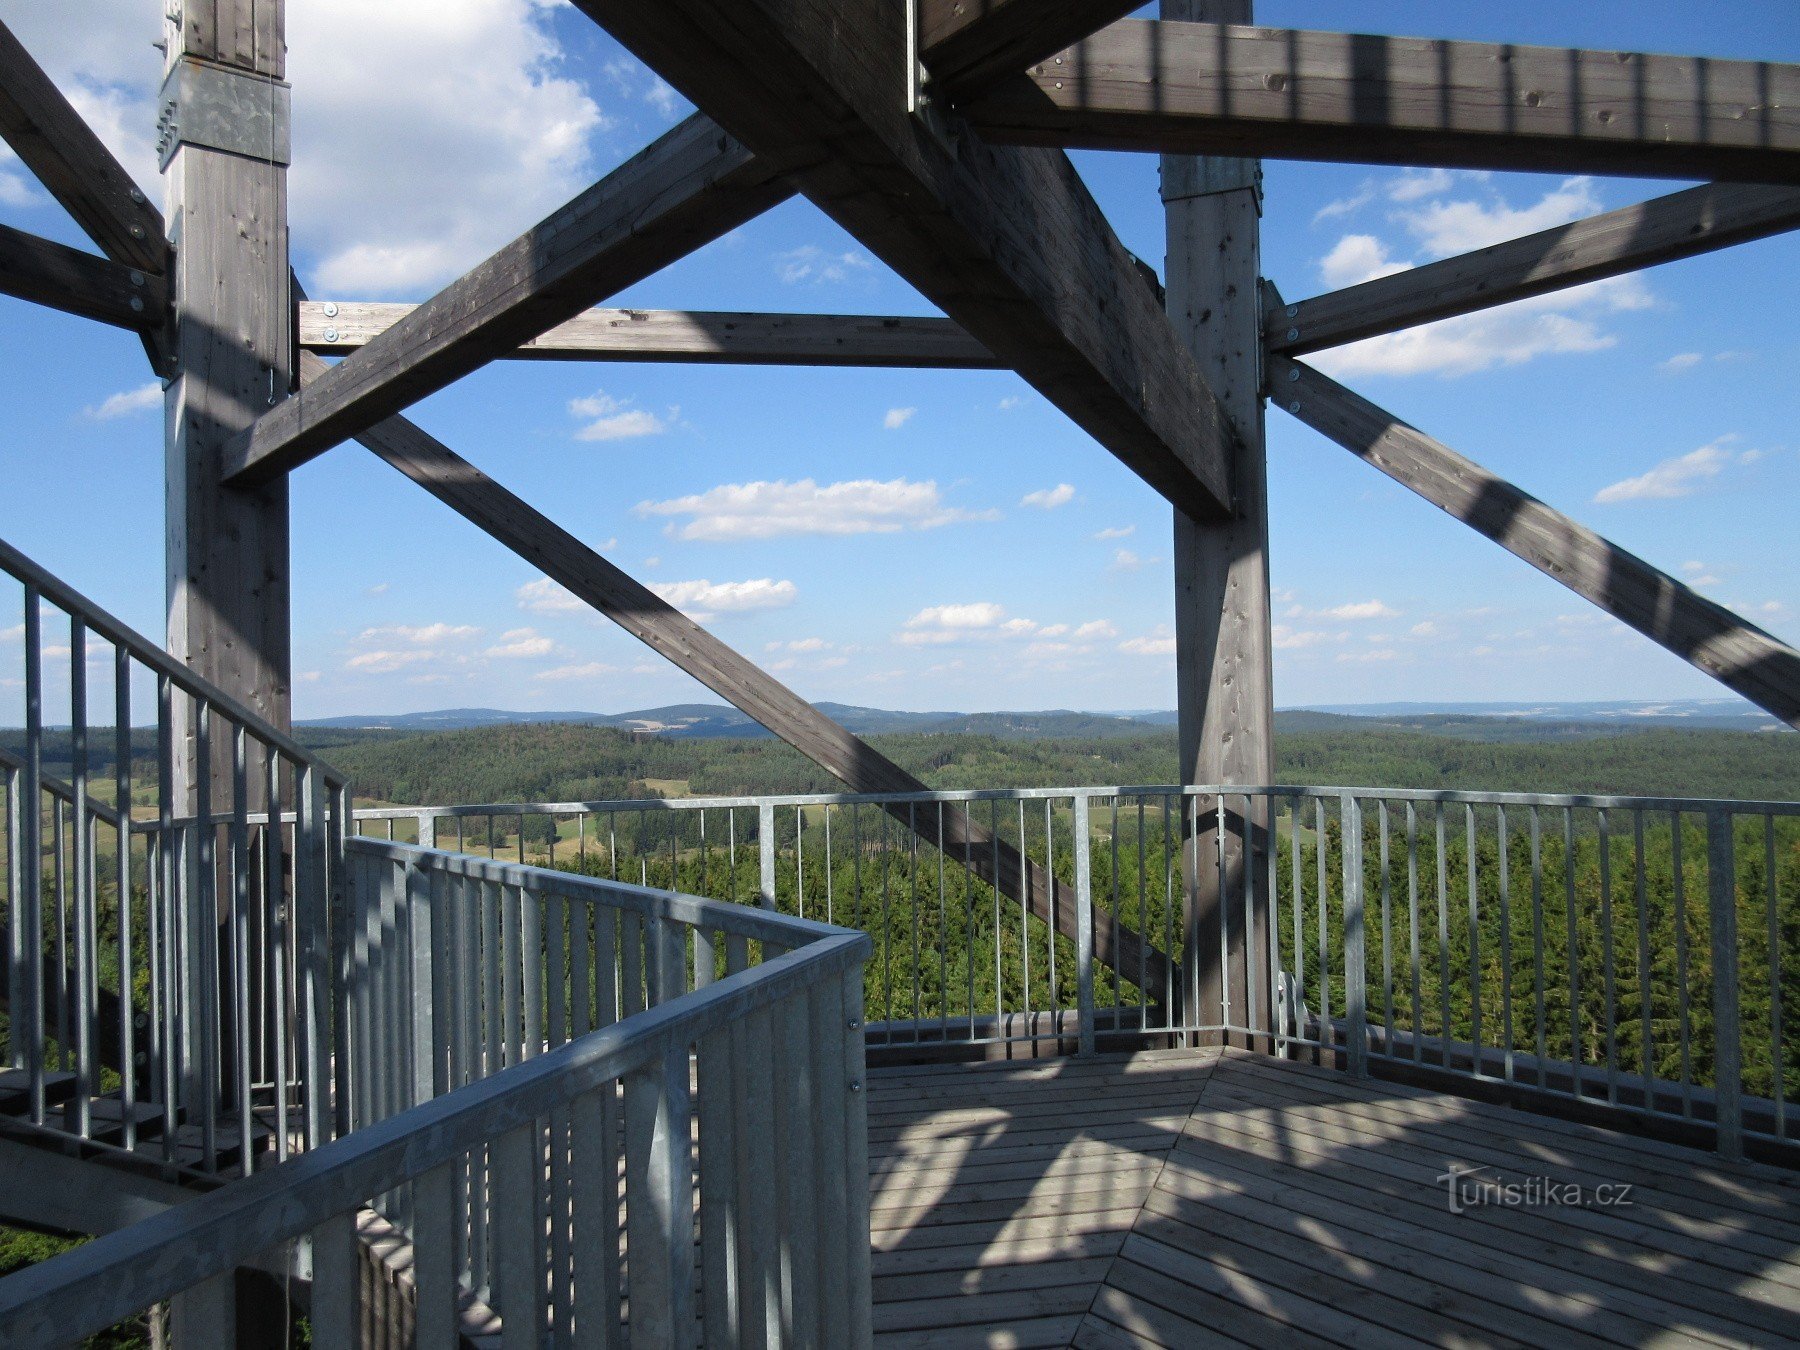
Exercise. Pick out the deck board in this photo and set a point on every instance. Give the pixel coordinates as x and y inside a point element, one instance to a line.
<point>1199,1197</point>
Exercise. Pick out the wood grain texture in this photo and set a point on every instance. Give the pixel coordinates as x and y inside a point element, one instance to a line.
<point>688,188</point>
<point>75,282</point>
<point>696,337</point>
<point>1281,93</point>
<point>1737,653</point>
<point>968,44</point>
<point>245,34</point>
<point>1008,243</point>
<point>1224,669</point>
<point>739,681</point>
<point>51,139</point>
<point>1680,225</point>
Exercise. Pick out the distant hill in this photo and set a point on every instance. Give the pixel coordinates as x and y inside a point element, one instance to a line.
<point>1500,722</point>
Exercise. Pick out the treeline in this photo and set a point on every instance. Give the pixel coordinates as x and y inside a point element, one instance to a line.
<point>567,762</point>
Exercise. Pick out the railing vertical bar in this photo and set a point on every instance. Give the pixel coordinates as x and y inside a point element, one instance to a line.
<point>531,972</point>
<point>275,930</point>
<point>1272,812</point>
<point>128,1052</point>
<point>1445,1026</point>
<point>887,928</point>
<point>1247,886</point>
<point>1506,990</point>
<point>1412,924</point>
<point>1170,871</point>
<point>1387,932</point>
<point>31,896</point>
<point>16,874</point>
<point>659,1201</point>
<point>631,963</point>
<point>705,957</point>
<point>1475,1038</point>
<point>1646,1055</point>
<point>435,1260</point>
<point>1609,962</point>
<point>799,861</point>
<point>337,1260</point>
<point>556,974</point>
<point>493,986</point>
<point>594,1173</point>
<point>59,965</point>
<point>513,961</point>
<point>1297,885</point>
<point>205,920</point>
<point>1772,894</point>
<point>943,934</point>
<point>1721,870</point>
<point>1221,889</point>
<point>1677,829</point>
<point>1054,1003</point>
<point>719,1123</point>
<point>765,855</point>
<point>1574,951</point>
<point>1084,926</point>
<point>1327,1034</point>
<point>161,929</point>
<point>1355,956</point>
<point>1112,910</point>
<point>243,1033</point>
<point>826,1030</point>
<point>857,1301</point>
<point>759,1270</point>
<point>359,992</point>
<point>830,900</point>
<point>912,869</point>
<point>969,898</point>
<point>520,1292</point>
<point>1029,1023</point>
<point>1143,911</point>
<point>796,1157</point>
<point>86,925</point>
<point>1538,979</point>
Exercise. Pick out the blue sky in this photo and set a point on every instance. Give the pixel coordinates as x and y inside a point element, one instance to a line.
<point>916,539</point>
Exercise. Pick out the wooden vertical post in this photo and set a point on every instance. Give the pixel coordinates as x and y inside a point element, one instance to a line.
<point>1222,627</point>
<point>224,149</point>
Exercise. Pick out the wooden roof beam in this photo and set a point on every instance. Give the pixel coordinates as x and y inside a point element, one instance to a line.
<point>1189,88</point>
<point>337,328</point>
<point>1680,225</point>
<point>563,558</point>
<point>1007,242</point>
<point>968,44</point>
<point>685,190</point>
<point>62,150</point>
<point>1734,651</point>
<point>76,282</point>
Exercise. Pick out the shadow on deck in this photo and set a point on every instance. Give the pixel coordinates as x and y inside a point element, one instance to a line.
<point>1202,1197</point>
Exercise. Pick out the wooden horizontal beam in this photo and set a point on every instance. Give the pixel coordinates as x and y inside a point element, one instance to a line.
<point>1737,653</point>
<point>968,44</point>
<point>686,189</point>
<point>338,328</point>
<point>69,160</point>
<point>570,563</point>
<point>1680,225</point>
<point>1009,243</point>
<point>1222,89</point>
<point>76,282</point>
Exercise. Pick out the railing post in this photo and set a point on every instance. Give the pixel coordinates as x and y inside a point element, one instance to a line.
<point>1721,875</point>
<point>1084,926</point>
<point>420,928</point>
<point>427,830</point>
<point>765,843</point>
<point>858,1294</point>
<point>314,974</point>
<point>28,1003</point>
<point>1356,1025</point>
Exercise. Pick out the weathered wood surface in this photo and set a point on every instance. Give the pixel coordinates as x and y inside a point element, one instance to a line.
<point>1008,243</point>
<point>735,678</point>
<point>1680,225</point>
<point>1202,1197</point>
<point>243,33</point>
<point>76,282</point>
<point>688,188</point>
<point>56,145</point>
<point>338,328</point>
<point>1224,675</point>
<point>968,44</point>
<point>1726,646</point>
<point>1280,93</point>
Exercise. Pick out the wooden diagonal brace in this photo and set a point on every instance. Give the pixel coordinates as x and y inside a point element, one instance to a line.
<point>659,625</point>
<point>968,44</point>
<point>48,273</point>
<point>1008,243</point>
<point>1737,653</point>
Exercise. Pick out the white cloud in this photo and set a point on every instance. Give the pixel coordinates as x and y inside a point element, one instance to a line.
<point>1679,362</point>
<point>1124,560</point>
<point>520,644</point>
<point>126,403</point>
<point>700,600</point>
<point>1357,258</point>
<point>811,644</point>
<point>1287,638</point>
<point>1160,643</point>
<point>545,596</point>
<point>1681,476</point>
<point>1347,206</point>
<point>1116,532</point>
<point>1414,184</point>
<point>386,662</point>
<point>15,188</point>
<point>1097,628</point>
<point>1360,609</point>
<point>588,670</point>
<point>1462,226</point>
<point>897,418</point>
<point>613,419</point>
<point>1049,499</point>
<point>379,588</point>
<point>1379,654</point>
<point>1425,628</point>
<point>13,634</point>
<point>1010,402</point>
<point>980,614</point>
<point>811,264</point>
<point>765,510</point>
<point>419,634</point>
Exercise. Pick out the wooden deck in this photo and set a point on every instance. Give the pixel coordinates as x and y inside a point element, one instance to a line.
<point>1186,1198</point>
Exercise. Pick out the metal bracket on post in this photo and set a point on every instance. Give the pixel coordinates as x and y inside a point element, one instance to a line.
<point>1084,927</point>
<point>223,109</point>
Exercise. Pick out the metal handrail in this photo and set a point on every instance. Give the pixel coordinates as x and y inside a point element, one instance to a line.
<point>90,1288</point>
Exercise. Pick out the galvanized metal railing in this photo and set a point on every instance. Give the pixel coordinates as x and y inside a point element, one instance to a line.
<point>168,977</point>
<point>1409,928</point>
<point>528,1050</point>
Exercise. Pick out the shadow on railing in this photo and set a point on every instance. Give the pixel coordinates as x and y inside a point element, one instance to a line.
<point>525,1050</point>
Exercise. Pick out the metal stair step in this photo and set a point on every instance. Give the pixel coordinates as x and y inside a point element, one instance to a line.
<point>15,1090</point>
